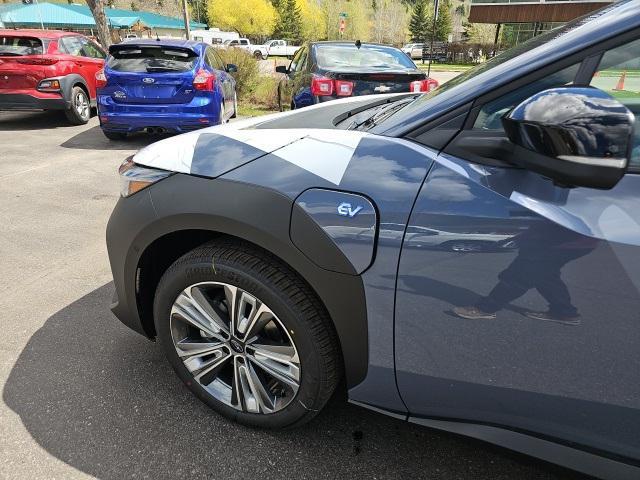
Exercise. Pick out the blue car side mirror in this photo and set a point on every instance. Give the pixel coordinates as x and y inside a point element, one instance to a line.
<point>577,136</point>
<point>231,68</point>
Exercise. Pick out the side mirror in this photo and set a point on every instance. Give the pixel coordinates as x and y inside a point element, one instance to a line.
<point>282,69</point>
<point>577,136</point>
<point>231,68</point>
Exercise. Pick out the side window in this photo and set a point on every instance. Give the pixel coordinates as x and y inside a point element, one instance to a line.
<point>489,117</point>
<point>91,50</point>
<point>212,60</point>
<point>208,58</point>
<point>71,46</point>
<point>220,65</point>
<point>619,75</point>
<point>299,60</point>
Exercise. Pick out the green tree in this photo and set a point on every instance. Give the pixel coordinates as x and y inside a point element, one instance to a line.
<point>250,18</point>
<point>443,25</point>
<point>418,25</point>
<point>288,21</point>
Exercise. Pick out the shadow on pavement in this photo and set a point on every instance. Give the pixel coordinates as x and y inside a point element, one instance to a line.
<point>94,139</point>
<point>20,121</point>
<point>102,399</point>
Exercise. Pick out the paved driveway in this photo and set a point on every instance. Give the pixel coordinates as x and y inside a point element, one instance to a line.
<point>82,396</point>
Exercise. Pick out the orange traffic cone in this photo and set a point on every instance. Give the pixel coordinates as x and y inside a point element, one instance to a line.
<point>620,85</point>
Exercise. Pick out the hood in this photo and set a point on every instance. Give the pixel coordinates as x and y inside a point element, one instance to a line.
<point>214,151</point>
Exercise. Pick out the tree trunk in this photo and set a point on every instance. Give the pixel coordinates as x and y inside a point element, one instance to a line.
<point>97,8</point>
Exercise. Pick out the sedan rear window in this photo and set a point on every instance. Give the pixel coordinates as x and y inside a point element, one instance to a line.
<point>151,59</point>
<point>346,57</point>
<point>18,46</point>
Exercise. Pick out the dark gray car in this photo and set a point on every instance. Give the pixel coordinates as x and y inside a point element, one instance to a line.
<point>468,259</point>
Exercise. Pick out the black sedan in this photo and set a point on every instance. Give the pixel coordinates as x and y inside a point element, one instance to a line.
<point>322,71</point>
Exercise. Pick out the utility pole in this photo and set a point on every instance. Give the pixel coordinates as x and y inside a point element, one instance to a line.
<point>185,12</point>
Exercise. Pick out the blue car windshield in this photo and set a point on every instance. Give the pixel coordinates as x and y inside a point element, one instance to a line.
<point>349,57</point>
<point>151,59</point>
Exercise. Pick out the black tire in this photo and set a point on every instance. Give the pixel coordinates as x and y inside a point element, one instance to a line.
<point>258,55</point>
<point>296,306</point>
<point>114,135</point>
<point>74,116</point>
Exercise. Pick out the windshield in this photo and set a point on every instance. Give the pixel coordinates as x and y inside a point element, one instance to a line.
<point>18,46</point>
<point>151,59</point>
<point>346,57</point>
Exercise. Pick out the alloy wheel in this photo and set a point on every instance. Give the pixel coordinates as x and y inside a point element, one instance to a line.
<point>235,347</point>
<point>81,104</point>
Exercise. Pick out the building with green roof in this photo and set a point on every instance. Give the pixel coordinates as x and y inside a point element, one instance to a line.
<point>78,18</point>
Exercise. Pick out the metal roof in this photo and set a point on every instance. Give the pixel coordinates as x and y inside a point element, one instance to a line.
<point>58,15</point>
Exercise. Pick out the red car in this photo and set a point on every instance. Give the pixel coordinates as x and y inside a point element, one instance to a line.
<point>49,70</point>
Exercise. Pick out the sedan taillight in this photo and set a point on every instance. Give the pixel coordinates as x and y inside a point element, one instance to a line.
<point>101,79</point>
<point>425,85</point>
<point>321,86</point>
<point>204,81</point>
<point>344,88</point>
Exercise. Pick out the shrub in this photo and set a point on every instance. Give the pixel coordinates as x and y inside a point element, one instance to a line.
<point>265,94</point>
<point>248,75</point>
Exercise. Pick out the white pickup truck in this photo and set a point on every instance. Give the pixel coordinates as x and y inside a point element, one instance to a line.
<point>277,48</point>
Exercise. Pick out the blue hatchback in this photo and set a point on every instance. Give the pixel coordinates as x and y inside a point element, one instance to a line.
<point>164,86</point>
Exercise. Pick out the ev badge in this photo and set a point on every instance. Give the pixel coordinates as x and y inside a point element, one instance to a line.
<point>345,210</point>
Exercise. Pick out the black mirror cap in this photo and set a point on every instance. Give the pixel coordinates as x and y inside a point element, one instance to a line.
<point>231,68</point>
<point>577,136</point>
<point>282,69</point>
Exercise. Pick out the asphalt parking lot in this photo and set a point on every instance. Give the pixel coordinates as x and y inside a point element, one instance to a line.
<point>83,397</point>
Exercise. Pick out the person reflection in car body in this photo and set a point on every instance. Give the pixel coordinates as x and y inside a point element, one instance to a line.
<point>543,250</point>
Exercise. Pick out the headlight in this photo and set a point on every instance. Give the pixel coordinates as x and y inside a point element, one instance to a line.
<point>134,178</point>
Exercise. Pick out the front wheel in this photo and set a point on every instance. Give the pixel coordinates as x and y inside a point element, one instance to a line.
<point>258,55</point>
<point>247,335</point>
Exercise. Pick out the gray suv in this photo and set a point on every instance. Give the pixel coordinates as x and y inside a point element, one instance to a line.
<point>466,259</point>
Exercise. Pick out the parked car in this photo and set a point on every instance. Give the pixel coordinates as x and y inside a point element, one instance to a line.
<point>322,71</point>
<point>278,48</point>
<point>221,248</point>
<point>407,48</point>
<point>159,86</point>
<point>49,70</point>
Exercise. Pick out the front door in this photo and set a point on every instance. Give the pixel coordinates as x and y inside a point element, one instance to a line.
<point>518,301</point>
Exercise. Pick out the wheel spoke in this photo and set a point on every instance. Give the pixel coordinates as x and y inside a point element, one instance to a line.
<point>247,304</point>
<point>281,362</point>
<point>188,309</point>
<point>243,395</point>
<point>210,367</point>
<point>207,309</point>
<point>189,348</point>
<point>255,321</point>
<point>231,294</point>
<point>266,400</point>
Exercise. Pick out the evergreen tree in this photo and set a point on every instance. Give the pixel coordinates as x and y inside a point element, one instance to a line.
<point>289,21</point>
<point>443,25</point>
<point>418,25</point>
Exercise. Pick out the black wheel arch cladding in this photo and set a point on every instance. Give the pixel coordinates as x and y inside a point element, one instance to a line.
<point>255,214</point>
